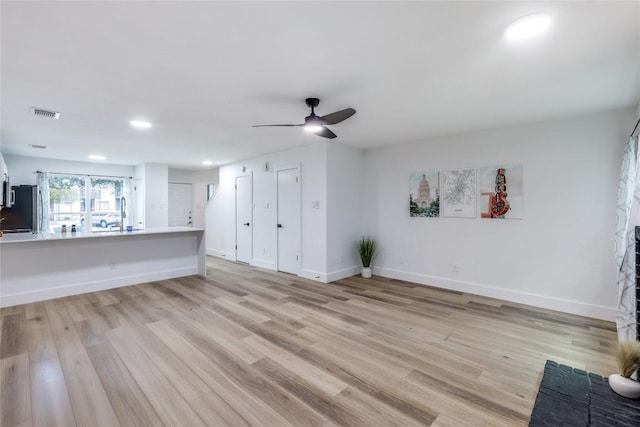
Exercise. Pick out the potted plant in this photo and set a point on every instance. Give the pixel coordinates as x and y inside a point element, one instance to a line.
<point>367,252</point>
<point>626,383</point>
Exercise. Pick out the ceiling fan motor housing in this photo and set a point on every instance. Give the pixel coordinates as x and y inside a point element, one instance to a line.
<point>312,119</point>
<point>312,102</point>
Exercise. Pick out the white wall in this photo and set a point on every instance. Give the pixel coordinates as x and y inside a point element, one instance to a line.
<point>156,194</point>
<point>344,189</point>
<point>220,214</point>
<point>559,256</point>
<point>198,181</point>
<point>22,168</point>
<point>139,197</point>
<point>220,221</point>
<point>331,184</point>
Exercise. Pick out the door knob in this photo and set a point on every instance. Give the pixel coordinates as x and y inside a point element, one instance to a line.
<point>279,225</point>
<point>246,223</point>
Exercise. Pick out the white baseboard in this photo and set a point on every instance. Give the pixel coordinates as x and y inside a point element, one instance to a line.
<point>542,301</point>
<point>314,275</point>
<point>221,254</point>
<point>256,262</point>
<point>345,272</point>
<point>262,263</point>
<point>330,277</point>
<point>100,285</point>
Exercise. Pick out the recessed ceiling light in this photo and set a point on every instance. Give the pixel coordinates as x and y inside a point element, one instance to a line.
<point>140,124</point>
<point>528,26</point>
<point>207,162</point>
<point>39,147</point>
<point>97,157</point>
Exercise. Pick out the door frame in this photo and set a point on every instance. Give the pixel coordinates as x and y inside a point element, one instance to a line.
<point>279,168</point>
<point>235,211</point>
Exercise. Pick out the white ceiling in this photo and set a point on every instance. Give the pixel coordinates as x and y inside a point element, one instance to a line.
<point>204,72</point>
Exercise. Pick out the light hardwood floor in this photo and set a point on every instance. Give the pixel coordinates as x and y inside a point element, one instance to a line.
<point>254,347</point>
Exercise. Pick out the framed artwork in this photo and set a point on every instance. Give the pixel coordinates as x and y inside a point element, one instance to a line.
<point>458,193</point>
<point>424,194</point>
<point>501,191</point>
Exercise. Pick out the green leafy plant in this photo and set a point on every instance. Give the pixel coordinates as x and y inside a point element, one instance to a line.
<point>628,357</point>
<point>367,251</point>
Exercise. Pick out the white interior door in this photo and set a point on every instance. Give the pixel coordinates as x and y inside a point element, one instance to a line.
<point>289,221</point>
<point>180,204</point>
<point>244,238</point>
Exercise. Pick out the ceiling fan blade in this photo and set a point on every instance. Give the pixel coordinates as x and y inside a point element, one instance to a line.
<point>326,133</point>
<point>338,116</point>
<point>261,126</point>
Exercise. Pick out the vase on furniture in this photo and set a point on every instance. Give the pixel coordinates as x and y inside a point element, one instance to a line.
<point>625,387</point>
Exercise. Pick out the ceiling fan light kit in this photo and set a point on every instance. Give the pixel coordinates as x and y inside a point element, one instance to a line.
<point>313,124</point>
<point>312,128</point>
<point>317,124</point>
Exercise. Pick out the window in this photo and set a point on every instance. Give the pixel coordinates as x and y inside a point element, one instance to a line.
<point>67,201</point>
<point>68,196</point>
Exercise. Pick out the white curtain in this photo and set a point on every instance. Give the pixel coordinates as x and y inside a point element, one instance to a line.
<point>43,202</point>
<point>625,251</point>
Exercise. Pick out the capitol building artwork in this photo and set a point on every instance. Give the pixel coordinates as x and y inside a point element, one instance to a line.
<point>424,194</point>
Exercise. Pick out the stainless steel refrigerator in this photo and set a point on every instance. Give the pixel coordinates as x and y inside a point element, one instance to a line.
<point>22,216</point>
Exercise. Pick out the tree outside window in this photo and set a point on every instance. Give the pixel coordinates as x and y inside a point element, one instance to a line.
<point>68,205</point>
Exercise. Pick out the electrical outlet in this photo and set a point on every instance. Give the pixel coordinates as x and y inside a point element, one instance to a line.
<point>454,268</point>
<point>401,260</point>
<point>341,259</point>
<point>264,251</point>
<point>113,266</point>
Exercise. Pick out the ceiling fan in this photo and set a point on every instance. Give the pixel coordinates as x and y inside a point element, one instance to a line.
<point>317,124</point>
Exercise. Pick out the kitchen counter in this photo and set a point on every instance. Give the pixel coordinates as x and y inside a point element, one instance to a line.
<point>35,267</point>
<point>35,237</point>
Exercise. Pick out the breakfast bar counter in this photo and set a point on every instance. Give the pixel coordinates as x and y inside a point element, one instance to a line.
<point>35,267</point>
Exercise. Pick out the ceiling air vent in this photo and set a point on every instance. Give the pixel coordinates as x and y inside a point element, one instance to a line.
<point>44,113</point>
